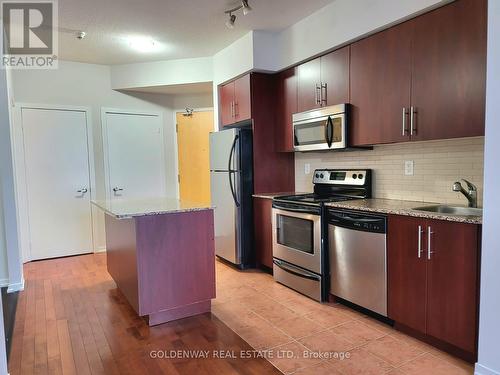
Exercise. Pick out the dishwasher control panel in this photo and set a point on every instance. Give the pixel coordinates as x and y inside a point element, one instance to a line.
<point>357,221</point>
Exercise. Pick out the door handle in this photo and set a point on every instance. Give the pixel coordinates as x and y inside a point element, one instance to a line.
<point>318,94</point>
<point>413,112</point>
<point>429,234</point>
<point>323,99</point>
<point>419,249</point>
<point>329,132</point>
<point>117,189</point>
<point>82,191</point>
<point>405,113</point>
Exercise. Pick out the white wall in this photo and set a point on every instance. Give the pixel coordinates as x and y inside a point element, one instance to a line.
<point>89,85</point>
<point>11,267</point>
<point>489,320</point>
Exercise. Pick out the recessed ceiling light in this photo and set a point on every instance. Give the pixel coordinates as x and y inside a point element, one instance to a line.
<point>144,45</point>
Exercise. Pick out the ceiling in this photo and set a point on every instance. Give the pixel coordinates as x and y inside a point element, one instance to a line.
<point>183,28</point>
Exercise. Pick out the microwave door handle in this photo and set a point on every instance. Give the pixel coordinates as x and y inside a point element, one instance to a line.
<point>329,132</point>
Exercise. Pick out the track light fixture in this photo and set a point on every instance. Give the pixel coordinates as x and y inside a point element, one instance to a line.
<point>232,17</point>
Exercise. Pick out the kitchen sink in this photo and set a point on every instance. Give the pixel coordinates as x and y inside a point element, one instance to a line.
<point>452,210</point>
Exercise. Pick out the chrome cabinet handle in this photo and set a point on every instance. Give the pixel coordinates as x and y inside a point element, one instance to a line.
<point>413,111</point>
<point>429,251</point>
<point>318,94</point>
<point>232,108</point>
<point>82,191</point>
<point>235,106</point>
<point>116,189</point>
<point>419,249</point>
<point>405,113</point>
<point>323,99</point>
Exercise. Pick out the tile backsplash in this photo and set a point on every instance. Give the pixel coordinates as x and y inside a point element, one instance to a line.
<point>437,164</point>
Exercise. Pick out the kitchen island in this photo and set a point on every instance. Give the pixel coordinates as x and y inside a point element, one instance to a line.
<point>161,254</point>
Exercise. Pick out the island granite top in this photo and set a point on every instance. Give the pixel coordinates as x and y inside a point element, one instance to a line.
<point>128,208</point>
<point>401,207</point>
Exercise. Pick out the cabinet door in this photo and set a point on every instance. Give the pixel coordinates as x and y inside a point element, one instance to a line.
<point>380,86</point>
<point>287,91</point>
<point>449,71</point>
<point>406,280</point>
<point>452,283</point>
<point>309,75</point>
<point>263,231</point>
<point>226,95</point>
<point>335,76</point>
<point>242,98</point>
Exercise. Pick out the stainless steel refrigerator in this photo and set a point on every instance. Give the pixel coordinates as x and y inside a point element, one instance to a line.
<point>231,178</point>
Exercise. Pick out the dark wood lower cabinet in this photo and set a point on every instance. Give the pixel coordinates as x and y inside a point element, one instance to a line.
<point>263,239</point>
<point>434,292</point>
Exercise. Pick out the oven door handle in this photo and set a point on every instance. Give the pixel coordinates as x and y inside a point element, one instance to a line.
<point>296,271</point>
<point>296,209</point>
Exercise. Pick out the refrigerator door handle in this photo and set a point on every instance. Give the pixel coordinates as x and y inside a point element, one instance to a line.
<point>231,171</point>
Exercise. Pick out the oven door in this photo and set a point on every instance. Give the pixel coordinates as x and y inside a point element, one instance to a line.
<point>321,133</point>
<point>297,237</point>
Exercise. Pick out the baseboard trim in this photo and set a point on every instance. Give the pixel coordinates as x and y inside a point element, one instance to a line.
<point>4,283</point>
<point>16,287</point>
<point>483,370</point>
<point>100,250</point>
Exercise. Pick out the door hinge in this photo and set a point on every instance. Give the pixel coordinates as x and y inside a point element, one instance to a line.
<point>179,178</point>
<point>177,128</point>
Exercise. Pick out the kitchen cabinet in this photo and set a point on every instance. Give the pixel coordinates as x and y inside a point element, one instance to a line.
<point>263,237</point>
<point>449,71</point>
<point>287,94</point>
<point>235,101</point>
<point>423,79</point>
<point>433,287</point>
<point>380,87</point>
<point>324,81</point>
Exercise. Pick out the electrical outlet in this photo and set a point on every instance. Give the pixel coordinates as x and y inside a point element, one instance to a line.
<point>409,168</point>
<point>307,168</point>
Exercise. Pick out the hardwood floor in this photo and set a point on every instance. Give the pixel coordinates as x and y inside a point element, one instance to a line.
<point>71,319</point>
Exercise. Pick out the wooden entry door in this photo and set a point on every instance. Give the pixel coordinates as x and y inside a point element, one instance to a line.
<point>194,162</point>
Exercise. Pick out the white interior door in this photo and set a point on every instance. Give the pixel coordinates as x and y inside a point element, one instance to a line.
<point>135,155</point>
<point>57,182</point>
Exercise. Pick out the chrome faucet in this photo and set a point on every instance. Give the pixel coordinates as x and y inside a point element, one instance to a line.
<point>470,194</point>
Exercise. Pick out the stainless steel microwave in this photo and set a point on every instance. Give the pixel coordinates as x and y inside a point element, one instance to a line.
<point>321,129</point>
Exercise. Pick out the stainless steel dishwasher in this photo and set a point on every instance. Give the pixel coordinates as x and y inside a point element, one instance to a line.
<point>358,258</point>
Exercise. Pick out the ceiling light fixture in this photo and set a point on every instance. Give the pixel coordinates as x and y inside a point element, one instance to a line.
<point>232,17</point>
<point>230,21</point>
<point>246,8</point>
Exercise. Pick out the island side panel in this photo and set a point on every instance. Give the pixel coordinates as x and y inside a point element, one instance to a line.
<point>176,255</point>
<point>122,257</point>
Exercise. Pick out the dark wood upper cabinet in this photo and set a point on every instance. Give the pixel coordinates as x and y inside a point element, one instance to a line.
<point>262,208</point>
<point>436,293</point>
<point>235,101</point>
<point>226,95</point>
<point>242,99</point>
<point>335,77</point>
<point>452,274</point>
<point>324,80</point>
<point>309,80</point>
<point>449,71</point>
<point>407,289</point>
<point>287,94</point>
<point>380,87</point>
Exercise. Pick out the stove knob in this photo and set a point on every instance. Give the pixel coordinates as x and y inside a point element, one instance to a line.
<point>321,175</point>
<point>354,176</point>
<point>317,175</point>
<point>360,176</point>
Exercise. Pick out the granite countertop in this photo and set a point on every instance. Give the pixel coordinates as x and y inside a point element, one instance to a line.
<point>128,208</point>
<point>273,195</point>
<point>400,207</point>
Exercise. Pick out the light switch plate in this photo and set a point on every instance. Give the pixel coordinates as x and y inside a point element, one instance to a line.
<point>409,166</point>
<point>307,168</point>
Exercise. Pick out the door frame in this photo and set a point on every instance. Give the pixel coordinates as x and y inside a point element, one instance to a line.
<point>105,150</point>
<point>176,143</point>
<point>19,167</point>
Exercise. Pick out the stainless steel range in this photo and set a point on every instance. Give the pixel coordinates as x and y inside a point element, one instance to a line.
<point>299,254</point>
